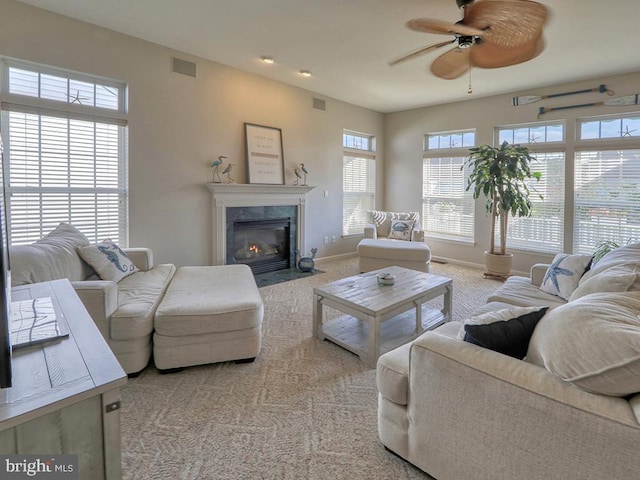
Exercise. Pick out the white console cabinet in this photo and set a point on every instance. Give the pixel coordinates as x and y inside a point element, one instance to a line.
<point>65,397</point>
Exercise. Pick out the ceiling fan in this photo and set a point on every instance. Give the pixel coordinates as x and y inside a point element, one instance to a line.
<point>491,34</point>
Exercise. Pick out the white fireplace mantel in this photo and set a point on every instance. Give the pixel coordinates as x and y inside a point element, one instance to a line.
<point>224,195</point>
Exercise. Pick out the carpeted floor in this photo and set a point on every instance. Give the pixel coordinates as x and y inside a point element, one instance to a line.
<point>303,410</point>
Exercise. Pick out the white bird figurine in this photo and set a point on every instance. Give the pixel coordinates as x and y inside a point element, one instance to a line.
<point>227,172</point>
<point>305,171</point>
<point>216,166</point>
<point>298,176</point>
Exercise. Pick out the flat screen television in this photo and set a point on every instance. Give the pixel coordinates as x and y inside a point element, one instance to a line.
<point>5,286</point>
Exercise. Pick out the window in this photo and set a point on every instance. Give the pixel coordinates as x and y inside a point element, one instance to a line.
<point>447,208</point>
<point>65,141</point>
<point>358,181</point>
<point>618,127</point>
<point>543,231</point>
<point>607,198</point>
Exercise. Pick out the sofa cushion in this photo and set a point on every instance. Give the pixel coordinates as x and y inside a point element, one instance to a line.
<point>592,342</point>
<point>618,278</point>
<point>382,220</point>
<point>521,292</point>
<point>51,258</point>
<point>564,274</point>
<point>108,260</point>
<point>139,295</point>
<point>392,372</point>
<point>629,254</point>
<point>505,331</point>
<point>394,250</point>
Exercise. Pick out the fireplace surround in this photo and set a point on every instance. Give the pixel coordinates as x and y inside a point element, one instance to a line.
<point>232,203</point>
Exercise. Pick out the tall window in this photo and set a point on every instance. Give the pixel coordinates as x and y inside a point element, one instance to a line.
<point>543,231</point>
<point>607,181</point>
<point>447,208</point>
<point>65,142</point>
<point>358,181</point>
<point>607,198</point>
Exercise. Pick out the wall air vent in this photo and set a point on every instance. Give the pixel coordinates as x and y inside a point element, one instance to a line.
<point>319,104</point>
<point>184,67</point>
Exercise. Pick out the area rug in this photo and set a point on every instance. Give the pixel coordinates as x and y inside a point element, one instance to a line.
<point>305,409</point>
<point>286,275</point>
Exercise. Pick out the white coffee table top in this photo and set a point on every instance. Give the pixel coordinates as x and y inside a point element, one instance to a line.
<point>364,291</point>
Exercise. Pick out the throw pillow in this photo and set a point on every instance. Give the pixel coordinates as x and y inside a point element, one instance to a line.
<point>564,274</point>
<point>505,331</point>
<point>401,229</point>
<point>619,278</point>
<point>382,220</point>
<point>108,260</point>
<point>50,258</point>
<point>592,342</point>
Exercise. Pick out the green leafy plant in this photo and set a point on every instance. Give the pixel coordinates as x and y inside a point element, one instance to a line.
<point>502,175</point>
<point>602,248</point>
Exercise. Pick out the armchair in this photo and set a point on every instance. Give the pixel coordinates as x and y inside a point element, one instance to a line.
<point>393,238</point>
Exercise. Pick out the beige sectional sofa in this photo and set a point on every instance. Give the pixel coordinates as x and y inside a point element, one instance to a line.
<point>123,310</point>
<point>569,410</point>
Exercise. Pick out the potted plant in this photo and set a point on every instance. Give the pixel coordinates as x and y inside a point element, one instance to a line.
<point>502,175</point>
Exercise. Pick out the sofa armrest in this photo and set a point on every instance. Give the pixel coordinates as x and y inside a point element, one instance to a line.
<point>141,257</point>
<point>500,407</point>
<point>538,271</point>
<point>417,235</point>
<point>100,298</point>
<point>370,231</point>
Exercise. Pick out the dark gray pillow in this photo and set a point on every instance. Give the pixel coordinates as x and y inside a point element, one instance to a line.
<point>509,337</point>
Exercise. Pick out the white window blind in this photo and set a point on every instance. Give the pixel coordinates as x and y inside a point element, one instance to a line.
<point>358,191</point>
<point>65,154</point>
<point>543,231</point>
<point>447,208</point>
<point>607,198</point>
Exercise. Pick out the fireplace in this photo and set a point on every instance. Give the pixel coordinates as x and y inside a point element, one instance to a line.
<point>237,203</point>
<point>263,245</point>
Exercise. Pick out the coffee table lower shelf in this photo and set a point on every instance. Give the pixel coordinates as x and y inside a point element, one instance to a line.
<point>352,334</point>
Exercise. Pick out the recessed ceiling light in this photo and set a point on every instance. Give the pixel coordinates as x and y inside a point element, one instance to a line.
<point>267,59</point>
<point>305,73</point>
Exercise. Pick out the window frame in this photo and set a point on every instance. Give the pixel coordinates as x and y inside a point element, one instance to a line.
<point>556,241</point>
<point>367,154</point>
<point>91,125</point>
<point>452,153</point>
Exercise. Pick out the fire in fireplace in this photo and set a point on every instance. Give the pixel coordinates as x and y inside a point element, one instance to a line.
<point>263,245</point>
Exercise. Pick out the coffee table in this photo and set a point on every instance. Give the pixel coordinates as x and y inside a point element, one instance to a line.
<point>378,318</point>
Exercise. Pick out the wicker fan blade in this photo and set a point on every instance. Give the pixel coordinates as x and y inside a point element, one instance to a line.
<point>507,23</point>
<point>420,52</point>
<point>490,55</point>
<point>438,26</point>
<point>452,64</point>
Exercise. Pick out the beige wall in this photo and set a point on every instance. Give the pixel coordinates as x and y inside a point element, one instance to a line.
<point>178,125</point>
<point>404,133</point>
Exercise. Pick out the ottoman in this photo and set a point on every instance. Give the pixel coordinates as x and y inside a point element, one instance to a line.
<point>381,253</point>
<point>208,315</point>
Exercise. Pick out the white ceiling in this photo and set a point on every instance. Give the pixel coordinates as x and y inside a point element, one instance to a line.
<point>347,44</point>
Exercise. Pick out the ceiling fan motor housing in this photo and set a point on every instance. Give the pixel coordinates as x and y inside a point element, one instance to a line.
<point>465,41</point>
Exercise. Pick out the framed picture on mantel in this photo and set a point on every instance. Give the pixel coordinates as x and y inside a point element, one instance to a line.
<point>265,163</point>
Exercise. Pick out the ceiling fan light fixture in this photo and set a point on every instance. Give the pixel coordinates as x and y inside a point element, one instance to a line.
<point>268,59</point>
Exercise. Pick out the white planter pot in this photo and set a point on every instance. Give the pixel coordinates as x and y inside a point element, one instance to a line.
<point>498,264</point>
